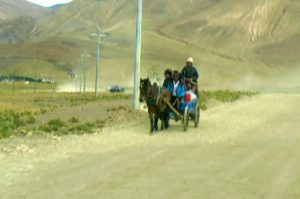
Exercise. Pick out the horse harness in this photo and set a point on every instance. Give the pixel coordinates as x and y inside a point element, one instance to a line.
<point>150,100</point>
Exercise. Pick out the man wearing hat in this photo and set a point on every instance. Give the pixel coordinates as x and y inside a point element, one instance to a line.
<point>189,72</point>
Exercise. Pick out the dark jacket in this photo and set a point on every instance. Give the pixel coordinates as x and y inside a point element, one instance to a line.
<point>168,84</point>
<point>190,73</point>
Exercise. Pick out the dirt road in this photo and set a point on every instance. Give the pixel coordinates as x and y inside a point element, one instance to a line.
<point>248,149</point>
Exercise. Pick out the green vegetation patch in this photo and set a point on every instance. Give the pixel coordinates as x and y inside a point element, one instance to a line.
<point>222,96</point>
<point>52,126</point>
<point>58,127</point>
<point>11,120</point>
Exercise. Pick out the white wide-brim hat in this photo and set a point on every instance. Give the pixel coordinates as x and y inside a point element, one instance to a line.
<point>190,59</point>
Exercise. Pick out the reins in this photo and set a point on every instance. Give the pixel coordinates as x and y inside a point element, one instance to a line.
<point>158,95</point>
<point>151,101</point>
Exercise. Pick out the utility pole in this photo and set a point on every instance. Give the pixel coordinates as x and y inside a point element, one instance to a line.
<point>85,64</point>
<point>75,78</point>
<point>53,82</point>
<point>97,34</point>
<point>13,79</point>
<point>80,75</point>
<point>34,81</point>
<point>137,54</point>
<point>84,71</point>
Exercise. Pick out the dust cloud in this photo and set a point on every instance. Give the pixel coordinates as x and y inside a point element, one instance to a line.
<point>279,83</point>
<point>285,83</point>
<point>71,86</point>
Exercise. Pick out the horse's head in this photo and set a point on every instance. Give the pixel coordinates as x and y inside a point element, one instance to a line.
<point>145,89</point>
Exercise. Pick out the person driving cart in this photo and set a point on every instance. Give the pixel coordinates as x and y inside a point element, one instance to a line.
<point>189,73</point>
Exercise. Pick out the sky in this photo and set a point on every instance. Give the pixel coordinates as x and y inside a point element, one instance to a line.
<point>48,3</point>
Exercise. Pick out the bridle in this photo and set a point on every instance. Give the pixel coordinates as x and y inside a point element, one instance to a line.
<point>151,100</point>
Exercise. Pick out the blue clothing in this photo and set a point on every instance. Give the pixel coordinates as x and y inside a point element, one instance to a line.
<point>190,73</point>
<point>180,91</point>
<point>168,84</point>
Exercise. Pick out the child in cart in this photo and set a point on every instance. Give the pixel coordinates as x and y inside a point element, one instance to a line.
<point>191,94</point>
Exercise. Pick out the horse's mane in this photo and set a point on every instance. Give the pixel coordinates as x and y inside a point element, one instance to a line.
<point>157,91</point>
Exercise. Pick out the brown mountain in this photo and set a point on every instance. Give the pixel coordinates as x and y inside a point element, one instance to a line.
<point>10,9</point>
<point>17,18</point>
<point>231,41</point>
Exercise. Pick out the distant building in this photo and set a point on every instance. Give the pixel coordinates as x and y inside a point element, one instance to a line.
<point>26,80</point>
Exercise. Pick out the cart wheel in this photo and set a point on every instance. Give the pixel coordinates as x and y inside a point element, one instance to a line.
<point>197,115</point>
<point>186,119</point>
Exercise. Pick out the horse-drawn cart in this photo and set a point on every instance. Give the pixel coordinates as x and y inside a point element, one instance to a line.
<point>186,112</point>
<point>159,99</point>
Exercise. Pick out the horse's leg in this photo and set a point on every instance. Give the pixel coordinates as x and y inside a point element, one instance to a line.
<point>166,118</point>
<point>156,116</point>
<point>161,117</point>
<point>151,123</point>
<point>163,120</point>
<point>162,125</point>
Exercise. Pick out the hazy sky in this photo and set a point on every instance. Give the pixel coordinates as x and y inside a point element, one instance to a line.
<point>48,3</point>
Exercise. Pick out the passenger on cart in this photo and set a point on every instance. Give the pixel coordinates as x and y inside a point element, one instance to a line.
<point>191,94</point>
<point>178,91</point>
<point>168,81</point>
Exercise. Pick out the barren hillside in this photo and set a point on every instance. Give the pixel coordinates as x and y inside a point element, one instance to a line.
<point>228,39</point>
<point>10,9</point>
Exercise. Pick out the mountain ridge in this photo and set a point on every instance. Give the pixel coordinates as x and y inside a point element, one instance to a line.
<point>230,38</point>
<point>11,9</point>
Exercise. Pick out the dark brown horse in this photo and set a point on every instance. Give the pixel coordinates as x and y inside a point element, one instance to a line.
<point>155,99</point>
